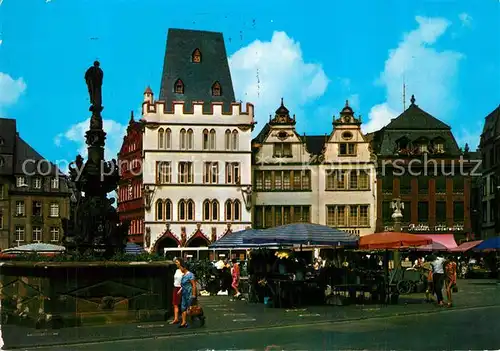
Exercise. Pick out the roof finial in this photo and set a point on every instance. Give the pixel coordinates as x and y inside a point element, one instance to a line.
<point>412,100</point>
<point>282,102</point>
<point>131,116</point>
<point>347,103</point>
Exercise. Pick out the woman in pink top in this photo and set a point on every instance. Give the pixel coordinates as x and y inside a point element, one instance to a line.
<point>235,273</point>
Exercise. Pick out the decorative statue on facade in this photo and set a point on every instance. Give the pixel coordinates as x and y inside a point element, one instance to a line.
<point>94,225</point>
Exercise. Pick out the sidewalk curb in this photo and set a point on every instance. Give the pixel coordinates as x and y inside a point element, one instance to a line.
<point>256,328</point>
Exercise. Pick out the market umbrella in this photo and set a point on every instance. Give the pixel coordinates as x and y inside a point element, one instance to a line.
<point>236,240</point>
<point>491,244</point>
<point>134,249</point>
<point>36,247</point>
<point>304,234</point>
<point>392,240</point>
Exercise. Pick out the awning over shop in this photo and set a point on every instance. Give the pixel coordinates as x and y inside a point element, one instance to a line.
<point>467,246</point>
<point>491,244</point>
<point>447,240</point>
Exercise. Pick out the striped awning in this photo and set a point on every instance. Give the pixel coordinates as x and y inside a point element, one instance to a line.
<point>304,234</point>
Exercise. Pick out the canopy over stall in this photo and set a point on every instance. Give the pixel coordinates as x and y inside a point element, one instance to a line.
<point>446,240</point>
<point>467,246</point>
<point>237,240</point>
<point>304,234</point>
<point>491,244</point>
<point>134,249</point>
<point>392,240</point>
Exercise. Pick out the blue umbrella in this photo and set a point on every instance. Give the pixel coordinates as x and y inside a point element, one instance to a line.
<point>304,234</point>
<point>134,249</point>
<point>489,244</point>
<point>236,240</point>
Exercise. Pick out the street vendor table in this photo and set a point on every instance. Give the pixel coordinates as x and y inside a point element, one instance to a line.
<point>286,289</point>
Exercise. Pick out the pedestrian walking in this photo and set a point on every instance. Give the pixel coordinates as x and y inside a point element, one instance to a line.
<point>176,298</point>
<point>187,292</point>
<point>235,273</point>
<point>450,278</point>
<point>438,278</point>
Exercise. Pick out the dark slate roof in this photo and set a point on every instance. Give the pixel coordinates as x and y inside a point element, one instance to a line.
<point>416,118</point>
<point>198,78</point>
<point>491,126</point>
<point>28,159</point>
<point>314,143</point>
<point>414,123</point>
<point>7,145</point>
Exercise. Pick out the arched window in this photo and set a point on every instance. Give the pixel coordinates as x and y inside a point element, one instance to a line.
<point>183,139</point>
<point>206,210</point>
<point>229,210</point>
<point>190,139</point>
<point>159,210</point>
<point>179,87</point>
<point>216,89</point>
<point>215,210</point>
<point>168,138</point>
<point>196,56</point>
<point>182,210</point>
<point>234,140</point>
<point>205,139</point>
<point>190,210</point>
<point>212,139</point>
<point>227,139</point>
<point>161,139</point>
<point>168,210</point>
<point>237,210</point>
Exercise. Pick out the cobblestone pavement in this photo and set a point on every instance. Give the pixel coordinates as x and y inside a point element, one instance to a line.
<point>239,317</point>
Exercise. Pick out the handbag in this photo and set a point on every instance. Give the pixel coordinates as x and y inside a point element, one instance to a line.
<point>195,311</point>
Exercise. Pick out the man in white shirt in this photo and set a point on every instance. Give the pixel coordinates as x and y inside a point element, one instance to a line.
<point>438,278</point>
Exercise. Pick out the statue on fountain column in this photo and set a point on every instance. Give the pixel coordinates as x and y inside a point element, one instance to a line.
<point>94,77</point>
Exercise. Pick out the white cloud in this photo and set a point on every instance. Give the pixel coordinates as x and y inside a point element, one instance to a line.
<point>429,74</point>
<point>76,135</point>
<point>265,71</point>
<point>469,135</point>
<point>10,89</point>
<point>466,19</point>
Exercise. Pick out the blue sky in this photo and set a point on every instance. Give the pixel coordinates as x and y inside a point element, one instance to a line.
<point>315,57</point>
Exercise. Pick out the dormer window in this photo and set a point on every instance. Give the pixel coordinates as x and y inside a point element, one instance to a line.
<point>179,87</point>
<point>439,147</point>
<point>196,57</point>
<point>423,148</point>
<point>216,89</point>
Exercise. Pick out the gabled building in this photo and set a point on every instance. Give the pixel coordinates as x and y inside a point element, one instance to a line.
<point>196,147</point>
<point>420,163</point>
<point>490,180</point>
<point>347,177</point>
<point>131,203</point>
<point>34,195</point>
<point>324,179</point>
<point>284,173</point>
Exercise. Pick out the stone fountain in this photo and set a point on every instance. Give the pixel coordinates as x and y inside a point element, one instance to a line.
<point>94,225</point>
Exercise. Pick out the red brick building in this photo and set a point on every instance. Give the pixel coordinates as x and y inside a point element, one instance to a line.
<point>130,193</point>
<point>419,162</point>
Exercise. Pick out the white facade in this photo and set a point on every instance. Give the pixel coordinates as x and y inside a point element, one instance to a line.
<point>347,178</point>
<point>198,166</point>
<point>330,180</point>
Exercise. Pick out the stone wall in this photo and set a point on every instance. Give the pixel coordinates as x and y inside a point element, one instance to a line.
<point>70,294</point>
